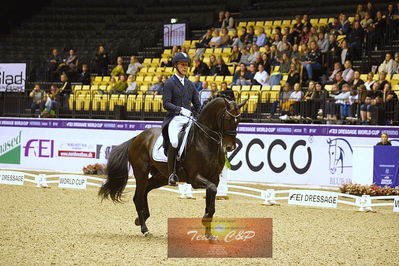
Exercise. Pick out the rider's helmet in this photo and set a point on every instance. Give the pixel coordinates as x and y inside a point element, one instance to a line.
<point>181,57</point>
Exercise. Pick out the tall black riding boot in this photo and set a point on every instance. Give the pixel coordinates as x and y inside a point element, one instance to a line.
<point>172,152</point>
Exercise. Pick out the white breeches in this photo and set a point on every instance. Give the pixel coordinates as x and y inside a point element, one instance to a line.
<point>174,128</point>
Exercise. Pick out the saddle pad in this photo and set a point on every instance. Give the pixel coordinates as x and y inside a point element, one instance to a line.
<point>158,153</point>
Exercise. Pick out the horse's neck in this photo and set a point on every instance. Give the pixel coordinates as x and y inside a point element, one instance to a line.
<point>198,138</point>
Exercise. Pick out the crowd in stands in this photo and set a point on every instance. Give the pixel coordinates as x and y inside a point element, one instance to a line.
<point>299,55</point>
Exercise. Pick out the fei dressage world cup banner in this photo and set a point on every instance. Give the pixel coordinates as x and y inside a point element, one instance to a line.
<point>12,77</point>
<point>266,153</point>
<point>386,166</point>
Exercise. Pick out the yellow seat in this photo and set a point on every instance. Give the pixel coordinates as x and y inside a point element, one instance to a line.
<point>97,80</point>
<point>106,79</point>
<point>86,87</point>
<point>242,24</point>
<point>252,104</point>
<point>314,21</point>
<point>147,61</point>
<point>219,78</point>
<point>328,87</point>
<point>266,88</point>
<point>148,103</point>
<point>231,69</point>
<point>77,87</point>
<point>246,87</point>
<point>256,87</point>
<point>273,96</point>
<point>276,88</point>
<point>286,22</point>
<point>228,79</point>
<point>277,23</point>
<point>157,103</point>
<point>210,78</point>
<point>323,21</point>
<point>363,77</point>
<point>250,23</point>
<point>139,103</point>
<point>143,88</point>
<point>236,87</point>
<point>131,99</point>
<point>191,78</point>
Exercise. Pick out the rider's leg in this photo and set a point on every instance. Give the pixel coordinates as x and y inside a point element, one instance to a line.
<point>173,131</point>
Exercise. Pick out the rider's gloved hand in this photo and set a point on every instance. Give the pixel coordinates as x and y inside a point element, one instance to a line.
<point>185,112</point>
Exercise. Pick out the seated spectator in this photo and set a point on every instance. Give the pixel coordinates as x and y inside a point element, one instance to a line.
<point>295,51</point>
<point>225,39</point>
<point>212,61</point>
<point>132,85</point>
<point>197,83</point>
<point>118,69</point>
<point>370,81</point>
<point>84,76</point>
<point>101,62</point>
<point>37,95</point>
<point>344,26</point>
<point>261,77</point>
<point>254,54</point>
<point>283,101</point>
<point>306,21</point>
<point>356,39</point>
<point>243,36</point>
<point>157,87</point>
<point>278,42</point>
<point>226,91</point>
<point>274,55</point>
<point>320,97</point>
<point>331,106</point>
<point>396,61</point>
<point>390,99</point>
<point>308,109</point>
<point>296,98</point>
<point>134,66</point>
<point>284,68</point>
<point>220,68</point>
<point>323,43</point>
<point>219,22</point>
<point>261,39</point>
<point>286,49</point>
<point>334,25</point>
<point>344,52</point>
<point>65,90</point>
<point>312,61</point>
<point>365,111</point>
<point>55,98</point>
<point>356,81</point>
<point>347,74</point>
<point>167,62</point>
<point>339,80</point>
<point>366,22</point>
<point>375,91</point>
<point>337,68</point>
<point>382,79</point>
<point>201,68</point>
<point>175,50</point>
<point>305,36</point>
<point>206,94</point>
<point>216,39</point>
<point>228,21</point>
<point>244,59</point>
<point>387,65</point>
<point>121,86</point>
<point>204,43</point>
<point>242,76</point>
<point>293,75</point>
<point>250,38</point>
<point>343,100</point>
<point>53,63</point>
<point>235,55</point>
<point>384,140</point>
<point>266,62</point>
<point>71,62</point>
<point>235,40</point>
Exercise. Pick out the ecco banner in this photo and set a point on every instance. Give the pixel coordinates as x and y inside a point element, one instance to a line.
<point>319,155</point>
<point>12,77</point>
<point>72,181</point>
<point>12,178</point>
<point>313,198</point>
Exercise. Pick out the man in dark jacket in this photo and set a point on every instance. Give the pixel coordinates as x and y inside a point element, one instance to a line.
<point>179,93</point>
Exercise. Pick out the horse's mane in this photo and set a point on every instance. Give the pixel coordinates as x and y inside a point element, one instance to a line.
<point>212,98</point>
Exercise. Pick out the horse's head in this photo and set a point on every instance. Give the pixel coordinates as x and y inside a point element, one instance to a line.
<point>229,122</point>
<point>223,116</point>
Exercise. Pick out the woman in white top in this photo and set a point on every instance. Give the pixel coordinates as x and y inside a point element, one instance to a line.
<point>369,83</point>
<point>261,77</point>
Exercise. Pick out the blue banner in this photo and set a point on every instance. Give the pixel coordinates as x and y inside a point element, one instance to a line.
<point>386,166</point>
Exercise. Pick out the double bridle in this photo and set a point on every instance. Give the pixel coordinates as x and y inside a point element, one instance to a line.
<point>221,132</point>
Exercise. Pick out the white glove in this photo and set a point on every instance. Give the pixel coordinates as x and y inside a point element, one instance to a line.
<point>185,112</point>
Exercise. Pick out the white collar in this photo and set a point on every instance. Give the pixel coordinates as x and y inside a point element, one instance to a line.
<point>180,79</point>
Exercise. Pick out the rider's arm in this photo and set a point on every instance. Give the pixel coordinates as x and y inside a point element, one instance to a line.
<point>195,100</point>
<point>167,98</point>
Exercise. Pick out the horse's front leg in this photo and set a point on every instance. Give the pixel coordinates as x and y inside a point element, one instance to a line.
<point>211,190</point>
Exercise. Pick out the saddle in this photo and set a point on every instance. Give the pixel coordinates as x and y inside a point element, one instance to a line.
<point>160,149</point>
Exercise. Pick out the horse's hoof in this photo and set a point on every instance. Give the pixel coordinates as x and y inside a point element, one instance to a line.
<point>147,234</point>
<point>137,222</point>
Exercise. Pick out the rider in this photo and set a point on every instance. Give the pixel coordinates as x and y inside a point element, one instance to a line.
<point>179,93</point>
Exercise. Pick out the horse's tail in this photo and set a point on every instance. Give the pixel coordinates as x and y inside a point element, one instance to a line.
<point>117,172</point>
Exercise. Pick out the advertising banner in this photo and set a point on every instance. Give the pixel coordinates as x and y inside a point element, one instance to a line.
<point>12,77</point>
<point>266,153</point>
<point>386,166</point>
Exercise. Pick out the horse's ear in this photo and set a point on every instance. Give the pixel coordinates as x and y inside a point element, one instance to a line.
<point>227,102</point>
<point>242,103</point>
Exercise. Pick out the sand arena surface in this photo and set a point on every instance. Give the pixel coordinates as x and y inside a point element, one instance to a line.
<point>60,226</point>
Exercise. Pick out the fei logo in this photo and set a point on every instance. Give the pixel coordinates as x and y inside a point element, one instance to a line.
<point>340,155</point>
<point>42,148</point>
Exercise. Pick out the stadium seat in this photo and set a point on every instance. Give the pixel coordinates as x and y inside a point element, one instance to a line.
<point>157,103</point>
<point>131,99</point>
<point>77,88</point>
<point>138,103</point>
<point>228,79</point>
<point>148,103</point>
<point>276,88</point>
<point>252,104</point>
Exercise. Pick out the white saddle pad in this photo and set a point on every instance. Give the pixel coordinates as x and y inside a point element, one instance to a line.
<point>158,153</point>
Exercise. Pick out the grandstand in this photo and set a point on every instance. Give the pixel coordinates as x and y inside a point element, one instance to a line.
<point>127,29</point>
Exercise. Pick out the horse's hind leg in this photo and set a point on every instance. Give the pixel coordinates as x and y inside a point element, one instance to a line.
<point>138,199</point>
<point>156,181</point>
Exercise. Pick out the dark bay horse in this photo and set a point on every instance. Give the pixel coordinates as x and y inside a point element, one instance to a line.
<point>210,136</point>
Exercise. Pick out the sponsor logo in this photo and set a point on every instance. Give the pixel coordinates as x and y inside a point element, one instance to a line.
<point>41,148</point>
<point>72,181</point>
<point>313,198</point>
<point>10,150</point>
<point>339,158</point>
<point>77,150</point>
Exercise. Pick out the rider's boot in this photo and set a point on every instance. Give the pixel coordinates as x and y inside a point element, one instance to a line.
<point>172,152</point>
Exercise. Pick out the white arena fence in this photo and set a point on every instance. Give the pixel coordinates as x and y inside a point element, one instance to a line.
<point>319,198</point>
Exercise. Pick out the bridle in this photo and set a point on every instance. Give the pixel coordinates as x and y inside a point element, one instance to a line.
<point>221,132</point>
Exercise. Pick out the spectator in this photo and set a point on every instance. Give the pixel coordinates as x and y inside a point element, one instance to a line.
<point>132,85</point>
<point>254,54</point>
<point>134,66</point>
<point>266,62</point>
<point>331,106</point>
<point>356,39</point>
<point>370,9</point>
<point>320,98</point>
<point>175,50</point>
<point>344,53</point>
<point>250,38</point>
<point>306,21</point>
<point>360,11</point>
<point>216,39</point>
<point>283,69</point>
<point>204,43</point>
<point>242,76</point>
<point>278,42</point>
<point>366,22</point>
<point>370,81</point>
<point>244,59</point>
<point>118,69</point>
<point>228,21</point>
<point>220,68</point>
<point>235,40</point>
<point>295,51</point>
<point>343,100</point>
<point>121,86</point>
<point>52,63</point>
<point>365,111</point>
<point>376,33</point>
<point>293,75</point>
<point>225,39</point>
<point>101,61</point>
<point>396,63</point>
<point>308,104</point>
<point>55,98</point>
<point>356,82</point>
<point>322,43</point>
<point>382,79</point>
<point>37,95</point>
<point>226,91</point>
<point>375,91</point>
<point>65,90</point>
<point>339,80</point>
<point>296,98</point>
<point>157,87</point>
<point>212,61</point>
<point>344,27</point>
<point>261,77</point>
<point>71,62</point>
<point>283,101</point>
<point>244,33</point>
<point>305,35</point>
<point>84,76</point>
<point>201,68</point>
<point>312,61</point>
<point>235,55</point>
<point>166,62</point>
<point>286,49</point>
<point>252,71</point>
<point>297,28</point>
<point>333,25</point>
<point>219,23</point>
<point>387,65</point>
<point>348,72</point>
<point>391,101</point>
<point>261,39</point>
<point>384,140</point>
<point>205,92</point>
<point>197,83</point>
<point>337,68</point>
